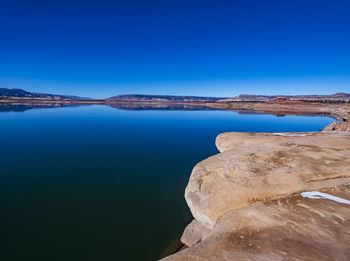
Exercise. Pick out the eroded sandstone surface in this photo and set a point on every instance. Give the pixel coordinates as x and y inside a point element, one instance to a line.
<point>246,200</point>
<point>261,166</point>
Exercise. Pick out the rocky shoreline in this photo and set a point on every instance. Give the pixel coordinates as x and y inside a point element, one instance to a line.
<point>249,201</point>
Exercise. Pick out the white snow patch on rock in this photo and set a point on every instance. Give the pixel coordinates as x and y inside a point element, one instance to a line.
<point>318,195</point>
<point>292,134</point>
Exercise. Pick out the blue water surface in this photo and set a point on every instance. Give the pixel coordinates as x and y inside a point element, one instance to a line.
<point>98,183</point>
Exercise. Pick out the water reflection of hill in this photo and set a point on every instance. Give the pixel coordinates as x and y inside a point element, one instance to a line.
<point>162,106</point>
<point>25,107</point>
<point>8,107</point>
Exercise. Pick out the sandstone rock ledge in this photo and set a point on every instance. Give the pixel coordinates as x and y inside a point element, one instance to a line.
<point>291,228</point>
<point>247,204</point>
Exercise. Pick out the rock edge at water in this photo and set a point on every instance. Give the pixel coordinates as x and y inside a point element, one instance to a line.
<point>246,200</point>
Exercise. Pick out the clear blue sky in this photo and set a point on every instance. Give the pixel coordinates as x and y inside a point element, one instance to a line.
<point>215,48</point>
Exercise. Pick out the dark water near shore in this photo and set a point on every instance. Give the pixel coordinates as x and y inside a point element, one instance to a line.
<point>97,183</point>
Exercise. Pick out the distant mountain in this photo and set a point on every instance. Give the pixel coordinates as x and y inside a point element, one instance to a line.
<point>161,98</point>
<point>19,93</point>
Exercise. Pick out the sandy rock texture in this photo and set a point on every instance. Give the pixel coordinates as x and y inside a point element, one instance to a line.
<point>194,233</point>
<point>291,228</point>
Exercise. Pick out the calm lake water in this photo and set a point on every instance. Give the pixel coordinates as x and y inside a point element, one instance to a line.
<point>98,183</point>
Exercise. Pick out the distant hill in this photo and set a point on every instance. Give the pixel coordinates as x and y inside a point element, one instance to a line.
<point>161,98</point>
<point>344,97</point>
<point>19,93</point>
<point>338,97</point>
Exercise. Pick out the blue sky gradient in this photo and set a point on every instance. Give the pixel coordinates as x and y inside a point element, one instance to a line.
<point>214,48</point>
